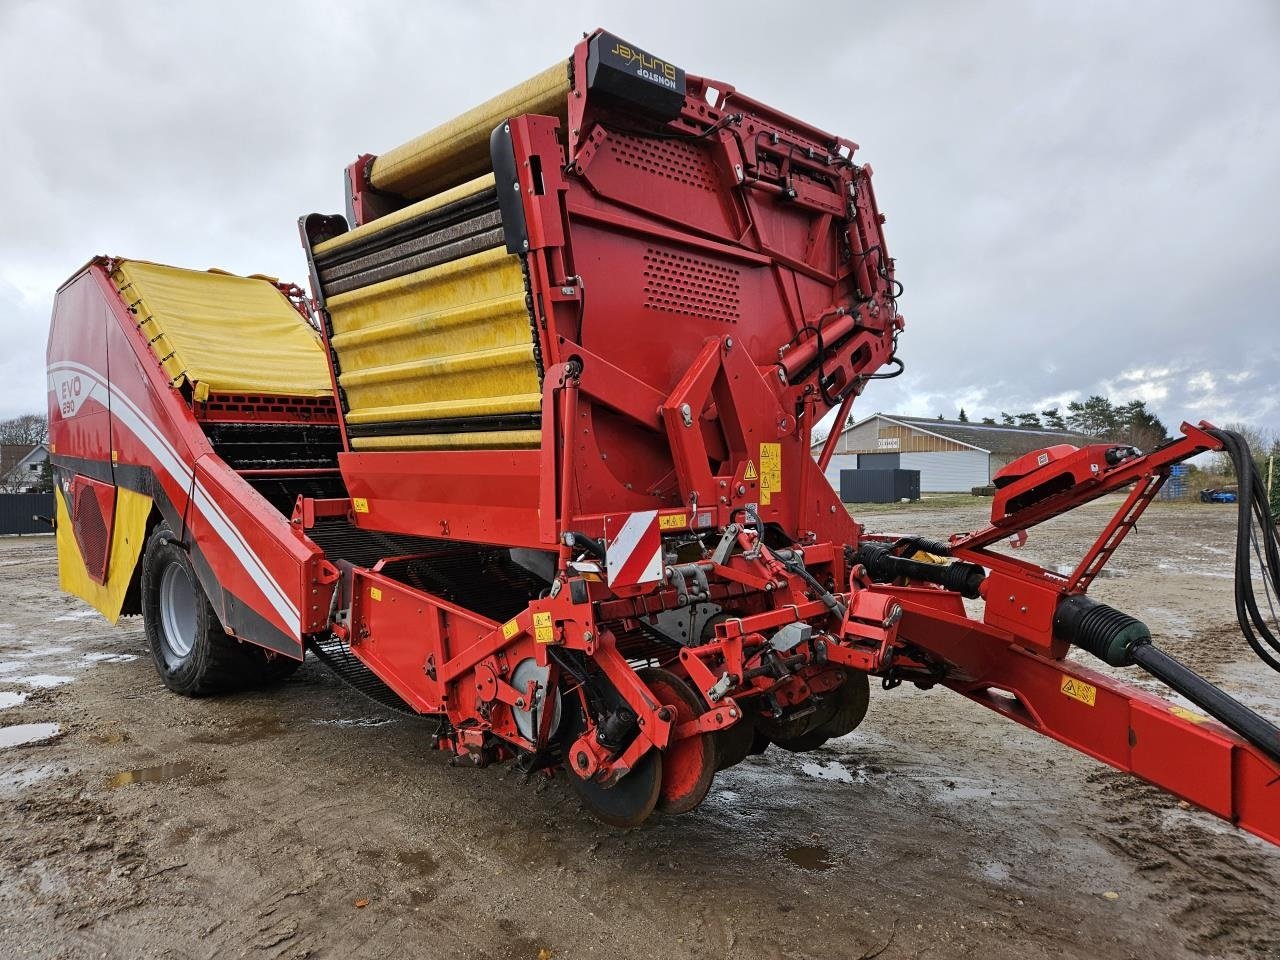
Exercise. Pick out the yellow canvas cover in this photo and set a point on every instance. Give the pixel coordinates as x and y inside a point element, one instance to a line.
<point>224,333</point>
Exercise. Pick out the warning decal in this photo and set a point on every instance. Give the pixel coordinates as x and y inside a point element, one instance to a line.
<point>359,504</point>
<point>543,630</point>
<point>1189,715</point>
<point>510,629</point>
<point>770,471</point>
<point>1086,693</point>
<point>750,472</point>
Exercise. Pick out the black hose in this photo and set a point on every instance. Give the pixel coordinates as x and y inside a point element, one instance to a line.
<point>1264,546</point>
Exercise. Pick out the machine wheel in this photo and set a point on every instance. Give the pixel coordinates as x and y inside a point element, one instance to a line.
<point>851,705</point>
<point>628,802</point>
<point>688,766</point>
<point>801,734</point>
<point>192,653</point>
<point>847,705</point>
<point>735,744</point>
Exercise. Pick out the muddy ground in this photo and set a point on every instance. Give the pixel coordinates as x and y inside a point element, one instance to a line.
<point>306,822</point>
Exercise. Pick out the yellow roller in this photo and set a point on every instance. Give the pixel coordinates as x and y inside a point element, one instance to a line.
<point>458,150</point>
<point>412,212</point>
<point>492,440</point>
<point>449,342</point>
<point>224,333</point>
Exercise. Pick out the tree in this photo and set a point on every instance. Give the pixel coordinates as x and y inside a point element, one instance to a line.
<point>1139,427</point>
<point>1053,419</point>
<point>964,417</point>
<point>989,421</point>
<point>30,428</point>
<point>1029,420</point>
<point>1007,420</point>
<point>1094,417</point>
<point>1262,445</point>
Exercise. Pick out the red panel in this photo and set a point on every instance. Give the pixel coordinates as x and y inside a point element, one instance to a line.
<point>93,506</point>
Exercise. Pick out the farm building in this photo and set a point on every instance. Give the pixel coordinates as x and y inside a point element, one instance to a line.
<point>951,455</point>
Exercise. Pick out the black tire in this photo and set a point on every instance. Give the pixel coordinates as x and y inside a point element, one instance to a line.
<point>192,653</point>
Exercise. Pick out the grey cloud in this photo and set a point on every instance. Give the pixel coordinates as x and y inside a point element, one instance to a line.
<point>1076,193</point>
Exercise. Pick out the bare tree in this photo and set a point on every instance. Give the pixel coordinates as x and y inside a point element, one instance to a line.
<point>30,428</point>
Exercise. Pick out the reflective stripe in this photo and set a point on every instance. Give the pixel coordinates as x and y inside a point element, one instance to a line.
<point>634,555</point>
<point>128,414</point>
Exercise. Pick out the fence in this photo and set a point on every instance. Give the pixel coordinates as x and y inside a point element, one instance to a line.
<point>19,512</point>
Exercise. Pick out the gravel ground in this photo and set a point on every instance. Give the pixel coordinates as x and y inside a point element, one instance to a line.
<point>305,822</point>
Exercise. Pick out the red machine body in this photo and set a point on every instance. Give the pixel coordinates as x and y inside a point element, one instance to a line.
<point>705,281</point>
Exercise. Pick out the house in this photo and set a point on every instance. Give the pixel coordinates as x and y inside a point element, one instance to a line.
<point>22,466</point>
<point>952,456</point>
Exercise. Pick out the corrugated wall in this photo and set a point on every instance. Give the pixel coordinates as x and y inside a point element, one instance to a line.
<point>948,472</point>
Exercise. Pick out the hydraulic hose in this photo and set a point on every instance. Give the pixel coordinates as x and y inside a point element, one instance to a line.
<point>1263,547</point>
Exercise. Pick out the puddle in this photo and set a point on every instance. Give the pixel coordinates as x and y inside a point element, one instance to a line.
<point>44,681</point>
<point>997,872</point>
<point>76,615</point>
<point>157,774</point>
<point>811,857</point>
<point>23,733</point>
<point>8,666</point>
<point>1106,573</point>
<point>15,781</point>
<point>249,730</point>
<point>357,722</point>
<point>828,771</point>
<point>11,698</point>
<point>109,657</point>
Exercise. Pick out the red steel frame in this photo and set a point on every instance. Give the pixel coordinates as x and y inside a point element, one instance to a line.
<point>705,422</point>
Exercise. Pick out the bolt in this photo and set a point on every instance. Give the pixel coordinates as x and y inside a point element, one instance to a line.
<point>587,636</point>
<point>520,702</point>
<point>733,714</point>
<point>728,343</point>
<point>741,489</point>
<point>833,508</point>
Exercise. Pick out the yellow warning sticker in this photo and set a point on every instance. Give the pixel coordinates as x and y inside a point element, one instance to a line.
<point>770,471</point>
<point>1189,715</point>
<point>510,629</point>
<point>543,631</point>
<point>670,521</point>
<point>1086,693</point>
<point>750,472</point>
<point>359,504</point>
<point>375,593</point>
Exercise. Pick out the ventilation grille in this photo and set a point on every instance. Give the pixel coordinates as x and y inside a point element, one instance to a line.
<point>692,286</point>
<point>239,407</point>
<point>672,159</point>
<point>91,532</point>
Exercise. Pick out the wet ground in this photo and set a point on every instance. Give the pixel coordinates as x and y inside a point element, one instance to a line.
<point>303,822</point>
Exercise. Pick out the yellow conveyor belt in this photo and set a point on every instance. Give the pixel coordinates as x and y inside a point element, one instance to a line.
<point>458,150</point>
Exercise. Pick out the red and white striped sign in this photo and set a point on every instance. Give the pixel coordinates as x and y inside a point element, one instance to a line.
<point>634,554</point>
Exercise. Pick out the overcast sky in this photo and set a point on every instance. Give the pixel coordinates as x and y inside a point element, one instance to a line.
<point>1081,197</point>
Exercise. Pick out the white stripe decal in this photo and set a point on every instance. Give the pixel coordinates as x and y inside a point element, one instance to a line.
<point>124,409</point>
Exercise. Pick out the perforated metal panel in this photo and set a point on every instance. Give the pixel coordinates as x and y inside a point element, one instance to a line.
<point>92,508</point>
<point>670,159</point>
<point>690,285</point>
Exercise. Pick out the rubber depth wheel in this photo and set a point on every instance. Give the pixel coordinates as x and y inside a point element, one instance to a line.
<point>734,744</point>
<point>853,696</point>
<point>628,802</point>
<point>689,765</point>
<point>192,653</point>
<point>802,734</point>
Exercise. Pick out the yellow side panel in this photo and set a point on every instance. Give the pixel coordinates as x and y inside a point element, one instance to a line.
<point>449,341</point>
<point>412,212</point>
<point>127,534</point>
<point>459,149</point>
<point>491,440</point>
<point>224,333</point>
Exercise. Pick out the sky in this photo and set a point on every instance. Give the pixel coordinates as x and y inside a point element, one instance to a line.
<point>1081,197</point>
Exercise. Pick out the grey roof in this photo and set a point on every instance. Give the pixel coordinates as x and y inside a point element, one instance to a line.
<point>994,438</point>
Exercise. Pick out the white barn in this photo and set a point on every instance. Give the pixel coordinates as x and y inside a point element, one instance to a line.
<point>951,456</point>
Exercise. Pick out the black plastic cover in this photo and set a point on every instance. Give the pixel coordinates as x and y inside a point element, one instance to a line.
<point>502,153</point>
<point>618,69</point>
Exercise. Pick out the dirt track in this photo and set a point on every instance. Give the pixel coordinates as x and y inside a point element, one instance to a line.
<point>153,826</point>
